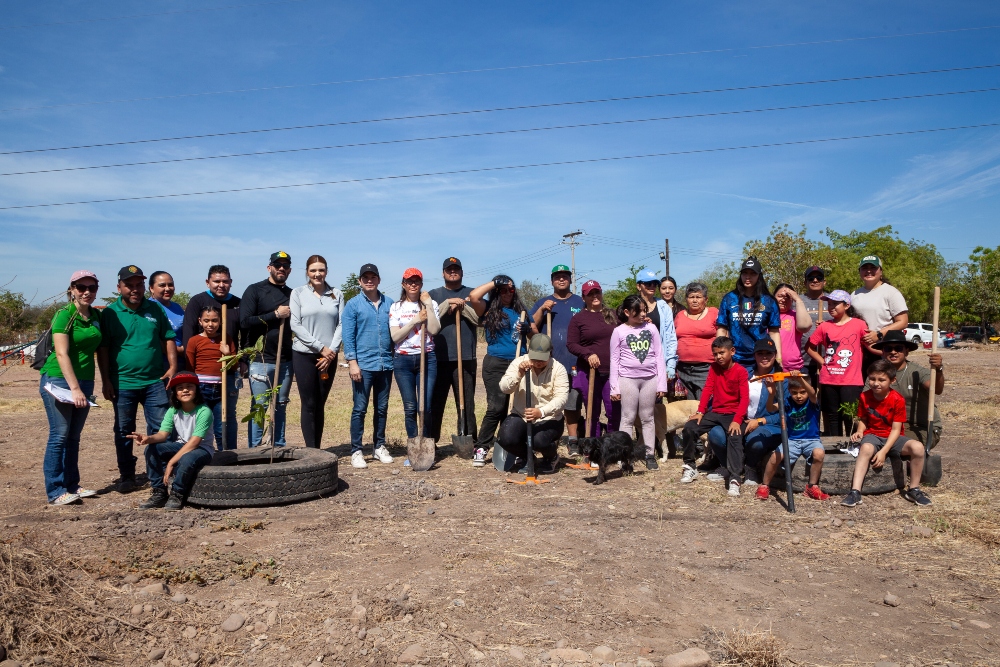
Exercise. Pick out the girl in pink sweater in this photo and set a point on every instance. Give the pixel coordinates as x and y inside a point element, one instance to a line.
<point>638,370</point>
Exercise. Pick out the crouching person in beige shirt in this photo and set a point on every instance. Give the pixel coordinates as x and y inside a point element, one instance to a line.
<point>549,391</point>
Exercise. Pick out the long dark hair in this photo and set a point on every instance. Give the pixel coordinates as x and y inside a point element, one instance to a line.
<point>675,305</point>
<point>632,303</point>
<point>495,321</point>
<point>760,290</point>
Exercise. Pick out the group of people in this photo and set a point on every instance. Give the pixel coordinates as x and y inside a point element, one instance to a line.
<point>546,357</point>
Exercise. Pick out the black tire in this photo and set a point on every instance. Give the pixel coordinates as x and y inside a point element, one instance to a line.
<point>838,475</point>
<point>245,478</point>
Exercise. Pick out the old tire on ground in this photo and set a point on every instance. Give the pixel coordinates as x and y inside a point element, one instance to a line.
<point>838,474</point>
<point>246,478</point>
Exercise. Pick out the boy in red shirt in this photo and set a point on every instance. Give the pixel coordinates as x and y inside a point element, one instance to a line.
<point>728,391</point>
<point>881,413</point>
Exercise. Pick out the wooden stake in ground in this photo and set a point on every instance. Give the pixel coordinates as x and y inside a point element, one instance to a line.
<point>465,445</point>
<point>225,387</point>
<point>585,464</point>
<point>930,399</point>
<point>275,385</point>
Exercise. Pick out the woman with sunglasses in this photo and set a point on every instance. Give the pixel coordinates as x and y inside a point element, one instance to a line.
<point>161,290</point>
<point>69,368</point>
<point>499,309</point>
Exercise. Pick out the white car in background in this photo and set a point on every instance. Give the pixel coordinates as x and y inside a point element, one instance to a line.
<point>921,332</point>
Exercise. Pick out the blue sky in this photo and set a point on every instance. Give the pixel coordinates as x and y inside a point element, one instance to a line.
<point>940,187</point>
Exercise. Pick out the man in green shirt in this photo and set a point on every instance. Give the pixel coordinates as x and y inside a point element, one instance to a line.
<point>913,382</point>
<point>136,335</point>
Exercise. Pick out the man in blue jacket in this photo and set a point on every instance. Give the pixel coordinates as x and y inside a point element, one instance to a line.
<point>368,349</point>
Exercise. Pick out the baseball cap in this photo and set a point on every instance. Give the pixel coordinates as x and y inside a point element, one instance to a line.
<point>871,259</point>
<point>280,256</point>
<point>765,345</point>
<point>646,276</point>
<point>837,295</point>
<point>540,348</point>
<point>452,261</point>
<point>590,286</point>
<point>751,264</point>
<point>183,377</point>
<point>130,271</point>
<point>410,273</point>
<point>368,268</point>
<point>815,269</point>
<point>82,273</point>
<point>560,268</point>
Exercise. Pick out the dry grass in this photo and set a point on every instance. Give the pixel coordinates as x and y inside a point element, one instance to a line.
<point>17,405</point>
<point>752,648</point>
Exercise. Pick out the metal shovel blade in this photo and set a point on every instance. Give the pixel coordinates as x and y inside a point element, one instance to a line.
<point>420,451</point>
<point>465,446</point>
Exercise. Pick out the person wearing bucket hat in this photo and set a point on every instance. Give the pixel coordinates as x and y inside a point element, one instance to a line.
<point>182,446</point>
<point>589,338</point>
<point>563,305</point>
<point>913,382</point>
<point>549,389</point>
<point>76,335</point>
<point>135,332</point>
<point>264,312</point>
<point>500,311</point>
<point>749,313</point>
<point>879,304</point>
<point>836,348</point>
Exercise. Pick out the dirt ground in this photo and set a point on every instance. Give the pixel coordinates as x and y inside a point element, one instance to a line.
<point>495,574</point>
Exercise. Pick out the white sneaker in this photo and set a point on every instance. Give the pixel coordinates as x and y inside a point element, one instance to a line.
<point>688,475</point>
<point>751,477</point>
<point>734,489</point>
<point>358,460</point>
<point>715,477</point>
<point>479,460</point>
<point>382,454</point>
<point>65,499</point>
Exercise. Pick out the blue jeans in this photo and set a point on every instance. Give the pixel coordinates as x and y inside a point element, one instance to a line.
<point>406,368</point>
<point>213,399</point>
<point>378,382</point>
<point>157,458</point>
<point>756,446</point>
<point>261,377</point>
<point>62,473</point>
<point>153,399</point>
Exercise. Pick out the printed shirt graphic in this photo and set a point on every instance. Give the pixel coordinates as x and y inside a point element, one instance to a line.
<point>840,347</point>
<point>186,425</point>
<point>400,314</point>
<point>803,420</point>
<point>748,321</point>
<point>878,416</point>
<point>562,313</point>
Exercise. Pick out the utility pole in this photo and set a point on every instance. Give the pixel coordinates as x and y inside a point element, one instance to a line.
<point>570,240</point>
<point>666,256</point>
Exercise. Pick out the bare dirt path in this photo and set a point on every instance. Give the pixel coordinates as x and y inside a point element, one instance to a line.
<point>478,571</point>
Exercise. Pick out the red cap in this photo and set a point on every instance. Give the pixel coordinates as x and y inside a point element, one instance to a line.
<point>183,377</point>
<point>411,272</point>
<point>590,286</point>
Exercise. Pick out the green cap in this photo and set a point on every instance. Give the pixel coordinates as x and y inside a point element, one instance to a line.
<point>560,268</point>
<point>871,259</point>
<point>540,348</point>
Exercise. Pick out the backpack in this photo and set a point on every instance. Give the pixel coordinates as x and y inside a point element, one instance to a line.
<point>44,347</point>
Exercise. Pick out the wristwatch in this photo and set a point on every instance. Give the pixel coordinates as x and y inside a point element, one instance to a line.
<point>878,334</point>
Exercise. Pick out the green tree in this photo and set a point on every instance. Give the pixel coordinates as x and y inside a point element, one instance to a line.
<point>785,255</point>
<point>13,307</point>
<point>613,297</point>
<point>530,292</point>
<point>181,299</point>
<point>350,287</point>
<point>981,295</point>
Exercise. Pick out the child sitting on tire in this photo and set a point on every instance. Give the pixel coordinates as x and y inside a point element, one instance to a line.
<point>802,417</point>
<point>182,447</point>
<point>881,413</point>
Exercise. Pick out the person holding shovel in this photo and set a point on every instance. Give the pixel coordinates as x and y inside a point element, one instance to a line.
<point>551,315</point>
<point>454,298</point>
<point>264,311</point>
<point>913,383</point>
<point>368,349</point>
<point>503,317</point>
<point>589,338</point>
<point>414,311</point>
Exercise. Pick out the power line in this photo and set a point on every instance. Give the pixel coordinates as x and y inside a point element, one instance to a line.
<point>523,107</point>
<point>141,16</point>
<point>498,132</point>
<point>483,70</point>
<point>453,172</point>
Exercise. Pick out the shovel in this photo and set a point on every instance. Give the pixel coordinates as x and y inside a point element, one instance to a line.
<point>465,445</point>
<point>585,465</point>
<point>779,379</point>
<point>420,450</point>
<point>225,390</point>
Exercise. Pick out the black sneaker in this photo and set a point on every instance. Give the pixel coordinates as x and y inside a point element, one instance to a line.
<point>651,463</point>
<point>156,500</point>
<point>917,497</point>
<point>851,499</point>
<point>173,503</point>
<point>574,447</point>
<point>547,466</point>
<point>126,485</point>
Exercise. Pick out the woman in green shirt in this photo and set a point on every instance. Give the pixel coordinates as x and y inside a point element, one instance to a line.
<point>69,371</point>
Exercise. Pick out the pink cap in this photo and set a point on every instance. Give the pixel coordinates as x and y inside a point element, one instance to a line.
<point>590,286</point>
<point>82,274</point>
<point>412,273</point>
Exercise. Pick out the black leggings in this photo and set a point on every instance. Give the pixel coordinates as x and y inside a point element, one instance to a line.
<point>544,436</point>
<point>497,402</point>
<point>831,396</point>
<point>312,392</point>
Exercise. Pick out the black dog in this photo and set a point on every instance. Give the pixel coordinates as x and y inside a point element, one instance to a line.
<point>615,447</point>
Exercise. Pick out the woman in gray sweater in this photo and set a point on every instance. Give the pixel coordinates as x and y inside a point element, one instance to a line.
<point>315,321</point>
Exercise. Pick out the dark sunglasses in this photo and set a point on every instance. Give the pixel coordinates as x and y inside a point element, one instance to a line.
<point>282,265</point>
<point>894,348</point>
<point>85,288</point>
<point>815,278</point>
<point>651,284</point>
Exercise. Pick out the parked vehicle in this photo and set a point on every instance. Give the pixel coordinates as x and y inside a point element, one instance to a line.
<point>979,334</point>
<point>921,333</point>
